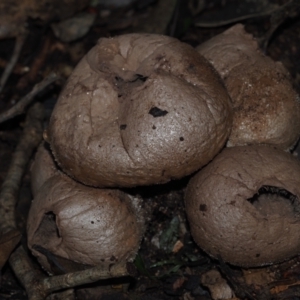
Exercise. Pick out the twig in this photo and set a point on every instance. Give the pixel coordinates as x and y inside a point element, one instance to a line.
<point>27,274</point>
<point>37,64</point>
<point>25,101</point>
<point>13,60</point>
<point>18,69</point>
<point>289,10</point>
<point>38,286</point>
<point>30,139</point>
<point>65,295</point>
<point>10,188</point>
<point>91,275</point>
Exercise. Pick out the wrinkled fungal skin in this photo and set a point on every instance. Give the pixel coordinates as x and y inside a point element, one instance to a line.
<point>139,109</point>
<point>244,233</point>
<point>42,168</point>
<point>266,107</point>
<point>91,226</point>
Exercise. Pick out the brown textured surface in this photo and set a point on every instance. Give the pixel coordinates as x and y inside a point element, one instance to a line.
<point>224,223</point>
<point>266,107</point>
<point>138,110</point>
<point>83,224</point>
<point>42,168</point>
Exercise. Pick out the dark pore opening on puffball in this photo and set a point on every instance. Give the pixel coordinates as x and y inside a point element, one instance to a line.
<point>271,200</point>
<point>48,226</point>
<point>125,86</point>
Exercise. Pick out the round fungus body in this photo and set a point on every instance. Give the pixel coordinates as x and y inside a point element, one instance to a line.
<point>266,107</point>
<point>71,226</point>
<point>244,206</point>
<point>131,102</point>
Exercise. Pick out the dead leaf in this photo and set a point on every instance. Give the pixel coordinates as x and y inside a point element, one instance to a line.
<point>258,277</point>
<point>217,285</point>
<point>178,283</point>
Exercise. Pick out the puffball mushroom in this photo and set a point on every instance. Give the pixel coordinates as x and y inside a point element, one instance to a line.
<point>266,107</point>
<point>244,206</point>
<point>85,225</point>
<point>139,109</point>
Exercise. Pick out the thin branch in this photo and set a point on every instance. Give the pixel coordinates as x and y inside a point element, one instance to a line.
<point>30,139</point>
<point>27,274</point>
<point>289,10</point>
<point>10,188</point>
<point>65,295</point>
<point>38,286</point>
<point>25,101</point>
<point>55,283</point>
<point>13,60</point>
<point>37,64</point>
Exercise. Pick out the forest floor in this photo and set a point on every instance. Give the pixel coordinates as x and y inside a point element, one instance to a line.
<point>169,265</point>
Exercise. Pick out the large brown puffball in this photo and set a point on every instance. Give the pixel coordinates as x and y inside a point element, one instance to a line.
<point>70,224</point>
<point>266,107</point>
<point>244,206</point>
<point>139,109</point>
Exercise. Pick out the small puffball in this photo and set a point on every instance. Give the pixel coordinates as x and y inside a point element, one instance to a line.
<point>84,225</point>
<point>266,108</point>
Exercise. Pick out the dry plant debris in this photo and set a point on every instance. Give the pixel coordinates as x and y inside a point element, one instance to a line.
<point>14,16</point>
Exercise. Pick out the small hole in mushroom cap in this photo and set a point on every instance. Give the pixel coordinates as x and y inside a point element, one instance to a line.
<point>112,258</point>
<point>203,207</point>
<point>266,189</point>
<point>181,138</point>
<point>141,77</point>
<point>191,67</point>
<point>123,126</point>
<point>157,112</point>
<point>48,229</point>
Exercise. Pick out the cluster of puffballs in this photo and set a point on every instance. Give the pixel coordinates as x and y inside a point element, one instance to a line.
<point>143,109</point>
